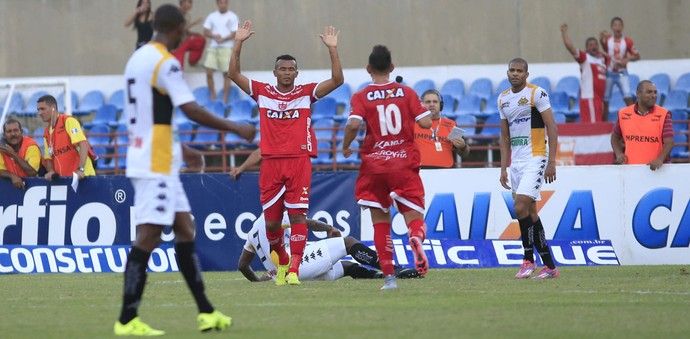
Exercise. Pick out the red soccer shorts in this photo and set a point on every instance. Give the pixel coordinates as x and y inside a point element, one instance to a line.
<point>404,189</point>
<point>285,181</point>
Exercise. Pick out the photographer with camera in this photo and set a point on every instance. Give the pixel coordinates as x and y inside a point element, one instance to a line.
<point>20,156</point>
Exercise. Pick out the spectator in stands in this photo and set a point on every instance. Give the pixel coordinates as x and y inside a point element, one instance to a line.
<point>529,139</point>
<point>193,42</point>
<point>621,50</point>
<point>593,77</point>
<point>20,155</point>
<point>66,149</point>
<point>220,26</point>
<point>142,18</point>
<point>436,148</point>
<point>643,133</point>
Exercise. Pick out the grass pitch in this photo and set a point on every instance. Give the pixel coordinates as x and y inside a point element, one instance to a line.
<point>593,302</point>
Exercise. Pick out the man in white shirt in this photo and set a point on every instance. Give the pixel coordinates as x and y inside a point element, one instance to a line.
<point>220,26</point>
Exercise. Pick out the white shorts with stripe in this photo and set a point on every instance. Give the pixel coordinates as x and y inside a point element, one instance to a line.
<point>321,260</point>
<point>527,177</point>
<point>156,200</point>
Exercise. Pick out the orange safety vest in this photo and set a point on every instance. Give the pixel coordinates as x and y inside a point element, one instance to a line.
<point>424,138</point>
<point>642,134</point>
<point>12,166</point>
<point>65,155</point>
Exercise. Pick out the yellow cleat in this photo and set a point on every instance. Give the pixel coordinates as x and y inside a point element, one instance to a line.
<point>293,279</point>
<point>280,276</point>
<point>136,327</point>
<point>213,321</point>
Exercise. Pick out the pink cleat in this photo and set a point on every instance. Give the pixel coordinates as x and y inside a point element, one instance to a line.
<point>547,273</point>
<point>526,269</point>
<point>420,261</point>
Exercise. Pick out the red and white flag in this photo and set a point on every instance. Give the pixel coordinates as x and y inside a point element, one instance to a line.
<point>591,142</point>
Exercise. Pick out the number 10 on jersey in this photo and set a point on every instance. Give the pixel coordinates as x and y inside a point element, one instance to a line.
<point>389,119</point>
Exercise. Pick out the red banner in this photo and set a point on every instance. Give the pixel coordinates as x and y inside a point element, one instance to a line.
<point>588,143</point>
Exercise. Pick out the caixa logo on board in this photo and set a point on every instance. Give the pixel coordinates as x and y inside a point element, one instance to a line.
<point>44,216</point>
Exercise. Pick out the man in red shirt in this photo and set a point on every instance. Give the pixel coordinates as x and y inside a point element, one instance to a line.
<point>593,77</point>
<point>389,173</point>
<point>287,143</point>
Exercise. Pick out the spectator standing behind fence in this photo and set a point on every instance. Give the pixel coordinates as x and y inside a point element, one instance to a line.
<point>621,50</point>
<point>66,149</point>
<point>20,156</point>
<point>643,133</point>
<point>193,42</point>
<point>529,138</point>
<point>592,77</point>
<point>220,26</point>
<point>436,149</point>
<point>142,18</point>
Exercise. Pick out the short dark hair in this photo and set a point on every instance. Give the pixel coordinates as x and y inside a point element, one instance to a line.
<point>168,18</point>
<point>48,99</point>
<point>590,39</point>
<point>519,61</point>
<point>616,18</point>
<point>11,121</point>
<point>285,57</point>
<point>642,83</point>
<point>380,58</point>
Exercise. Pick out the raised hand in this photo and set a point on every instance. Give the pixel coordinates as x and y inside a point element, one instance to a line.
<point>244,31</point>
<point>564,28</point>
<point>330,37</point>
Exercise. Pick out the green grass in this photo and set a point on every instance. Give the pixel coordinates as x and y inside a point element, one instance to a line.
<point>593,302</point>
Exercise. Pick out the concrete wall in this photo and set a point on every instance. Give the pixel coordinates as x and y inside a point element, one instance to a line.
<point>87,37</point>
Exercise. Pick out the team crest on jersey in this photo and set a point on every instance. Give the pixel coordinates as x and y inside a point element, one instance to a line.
<point>523,101</point>
<point>282,106</point>
<point>385,94</point>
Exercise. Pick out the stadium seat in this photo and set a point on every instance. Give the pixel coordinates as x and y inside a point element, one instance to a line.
<point>448,105</point>
<point>677,100</point>
<point>683,82</point>
<point>680,151</point>
<point>503,85</point>
<point>423,85</point>
<point>206,137</point>
<point>542,82</point>
<point>106,114</point>
<point>482,87</point>
<point>662,81</point>
<point>16,104</point>
<point>570,85</point>
<point>324,129</point>
<point>341,94</point>
<point>38,136</point>
<point>100,152</point>
<point>202,95</point>
<point>679,118</point>
<point>491,106</point>
<point>489,133</point>
<point>560,102</point>
<point>574,112</point>
<point>467,122</point>
<point>233,140</point>
<point>31,108</point>
<point>365,84</point>
<point>353,159</point>
<point>616,103</point>
<point>242,111</point>
<point>61,102</point>
<point>325,108</point>
<point>185,131</point>
<point>99,135</point>
<point>117,99</point>
<point>469,104</point>
<point>324,155</point>
<point>559,117</point>
<point>454,87</point>
<point>91,102</point>
<point>216,107</point>
<point>634,79</point>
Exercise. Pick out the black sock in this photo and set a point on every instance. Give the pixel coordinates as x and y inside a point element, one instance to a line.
<point>357,271</point>
<point>365,255</point>
<point>542,245</point>
<point>135,280</point>
<point>189,267</point>
<point>527,236</point>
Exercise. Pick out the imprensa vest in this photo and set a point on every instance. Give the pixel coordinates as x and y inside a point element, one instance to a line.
<point>642,134</point>
<point>12,166</point>
<point>65,155</point>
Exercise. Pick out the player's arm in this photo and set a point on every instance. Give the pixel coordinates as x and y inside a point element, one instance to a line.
<point>351,129</point>
<point>602,39</point>
<point>201,116</point>
<point>504,146</point>
<point>552,134</point>
<point>330,39</point>
<point>244,266</point>
<point>566,40</point>
<point>252,160</point>
<point>243,33</point>
<point>617,144</point>
<point>319,226</point>
<point>424,122</point>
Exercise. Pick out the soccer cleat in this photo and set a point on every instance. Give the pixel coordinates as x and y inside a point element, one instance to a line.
<point>213,321</point>
<point>136,327</point>
<point>526,269</point>
<point>547,273</point>
<point>420,261</point>
<point>389,282</point>
<point>406,273</point>
<point>293,279</point>
<point>280,276</point>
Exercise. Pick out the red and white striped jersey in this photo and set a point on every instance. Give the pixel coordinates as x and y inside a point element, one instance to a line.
<point>617,49</point>
<point>593,74</point>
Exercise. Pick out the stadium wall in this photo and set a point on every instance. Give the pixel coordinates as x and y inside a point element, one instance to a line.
<point>77,37</point>
<point>594,215</point>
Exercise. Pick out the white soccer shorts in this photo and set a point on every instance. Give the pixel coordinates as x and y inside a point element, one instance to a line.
<point>156,200</point>
<point>527,177</point>
<point>321,260</point>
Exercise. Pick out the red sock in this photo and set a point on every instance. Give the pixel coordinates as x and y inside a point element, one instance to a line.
<point>384,246</point>
<point>298,240</point>
<point>417,228</point>
<point>275,239</point>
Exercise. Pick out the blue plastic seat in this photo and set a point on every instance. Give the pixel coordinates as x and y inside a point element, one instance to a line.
<point>454,87</point>
<point>341,94</point>
<point>448,105</point>
<point>185,131</point>
<point>679,118</point>
<point>324,129</point>
<point>469,104</point>
<point>677,100</point>
<point>570,85</point>
<point>680,151</point>
<point>683,82</point>
<point>662,81</point>
<point>468,123</point>
<point>106,114</point>
<point>423,85</point>
<point>61,102</point>
<point>353,159</point>
<point>574,112</point>
<point>482,87</point>
<point>325,108</point>
<point>38,136</point>
<point>324,155</point>
<point>16,104</point>
<point>560,102</point>
<point>489,133</point>
<point>216,107</point>
<point>202,95</point>
<point>559,117</point>
<point>99,135</point>
<point>633,80</point>
<point>206,137</point>
<point>616,103</point>
<point>242,111</point>
<point>31,108</point>
<point>542,82</point>
<point>491,106</point>
<point>503,85</point>
<point>117,99</point>
<point>91,102</point>
<point>365,84</point>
